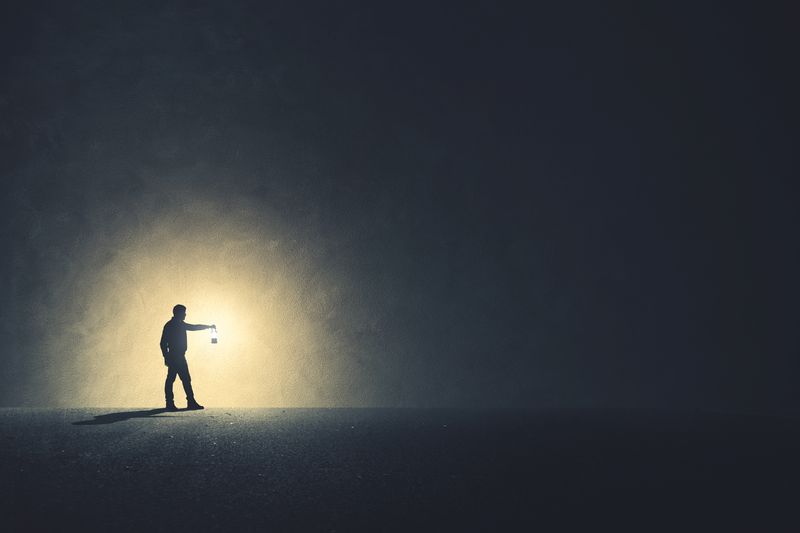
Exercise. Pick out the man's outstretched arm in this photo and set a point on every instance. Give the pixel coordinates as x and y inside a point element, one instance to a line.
<point>198,327</point>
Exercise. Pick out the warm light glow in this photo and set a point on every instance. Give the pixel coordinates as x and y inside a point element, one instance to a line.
<point>260,290</point>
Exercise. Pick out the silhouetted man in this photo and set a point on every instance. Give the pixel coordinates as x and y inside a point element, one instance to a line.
<point>173,347</point>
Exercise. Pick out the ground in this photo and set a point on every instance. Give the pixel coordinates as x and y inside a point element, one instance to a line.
<point>397,469</point>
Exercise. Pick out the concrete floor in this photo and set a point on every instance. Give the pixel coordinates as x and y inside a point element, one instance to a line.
<point>397,470</point>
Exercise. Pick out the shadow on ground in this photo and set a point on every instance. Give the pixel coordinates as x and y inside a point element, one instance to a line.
<point>110,418</point>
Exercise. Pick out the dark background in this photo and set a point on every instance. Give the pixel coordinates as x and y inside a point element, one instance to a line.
<point>556,204</point>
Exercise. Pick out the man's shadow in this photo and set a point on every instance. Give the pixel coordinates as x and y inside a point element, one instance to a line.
<point>119,417</point>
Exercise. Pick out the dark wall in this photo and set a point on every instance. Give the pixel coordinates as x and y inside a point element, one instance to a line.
<point>568,204</point>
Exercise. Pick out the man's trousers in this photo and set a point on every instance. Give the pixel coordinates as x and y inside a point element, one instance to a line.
<point>177,366</point>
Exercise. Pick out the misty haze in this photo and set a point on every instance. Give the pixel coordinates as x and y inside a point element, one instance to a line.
<point>475,266</point>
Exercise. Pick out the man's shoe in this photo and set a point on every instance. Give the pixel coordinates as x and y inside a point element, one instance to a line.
<point>194,406</point>
<point>171,406</point>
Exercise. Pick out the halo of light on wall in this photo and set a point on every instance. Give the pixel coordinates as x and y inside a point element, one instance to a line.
<point>229,267</point>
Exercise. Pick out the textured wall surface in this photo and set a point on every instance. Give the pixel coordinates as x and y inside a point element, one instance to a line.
<point>397,205</point>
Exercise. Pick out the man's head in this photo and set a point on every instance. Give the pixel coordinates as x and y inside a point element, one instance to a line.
<point>179,311</point>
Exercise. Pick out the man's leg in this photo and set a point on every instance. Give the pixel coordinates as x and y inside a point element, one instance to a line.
<point>186,379</point>
<point>168,395</point>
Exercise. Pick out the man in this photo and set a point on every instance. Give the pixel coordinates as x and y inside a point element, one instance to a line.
<point>173,347</point>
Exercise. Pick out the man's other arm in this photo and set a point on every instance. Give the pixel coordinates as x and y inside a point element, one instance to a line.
<point>164,344</point>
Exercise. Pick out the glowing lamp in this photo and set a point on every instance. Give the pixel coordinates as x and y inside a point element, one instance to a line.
<point>213,335</point>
